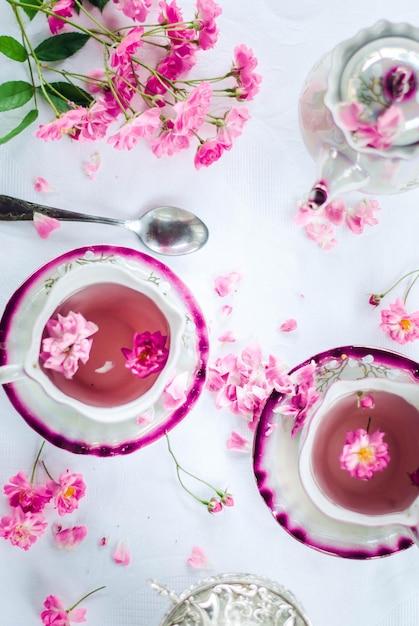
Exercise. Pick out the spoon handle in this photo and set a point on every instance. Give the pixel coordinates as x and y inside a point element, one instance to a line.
<point>15,209</point>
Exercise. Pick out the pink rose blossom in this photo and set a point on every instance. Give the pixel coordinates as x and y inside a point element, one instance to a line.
<point>63,8</point>
<point>28,497</point>
<point>69,538</point>
<point>288,325</point>
<point>128,46</point>
<point>174,393</point>
<point>143,125</point>
<point>44,224</point>
<point>207,12</point>
<point>55,613</point>
<point>234,122</point>
<point>148,354</point>
<point>208,153</point>
<point>22,529</point>
<point>41,185</point>
<point>400,325</point>
<point>238,443</point>
<point>243,70</point>
<point>198,558</point>
<point>68,343</point>
<point>362,215</point>
<point>121,555</point>
<point>69,123</point>
<point>191,113</point>
<point>364,454</point>
<point>225,285</point>
<point>68,491</point>
<point>135,9</point>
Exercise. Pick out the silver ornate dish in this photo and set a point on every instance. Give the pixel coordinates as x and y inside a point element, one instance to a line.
<point>234,600</point>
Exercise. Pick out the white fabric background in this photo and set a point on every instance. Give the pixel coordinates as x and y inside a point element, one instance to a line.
<point>248,200</point>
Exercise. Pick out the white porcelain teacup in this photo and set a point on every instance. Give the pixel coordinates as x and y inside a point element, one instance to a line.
<point>389,496</point>
<point>120,303</point>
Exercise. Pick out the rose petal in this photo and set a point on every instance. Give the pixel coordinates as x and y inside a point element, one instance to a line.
<point>44,224</point>
<point>198,558</point>
<point>122,556</point>
<point>288,325</point>
<point>42,186</point>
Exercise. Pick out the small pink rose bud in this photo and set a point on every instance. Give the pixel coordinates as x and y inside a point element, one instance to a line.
<point>374,299</point>
<point>214,506</point>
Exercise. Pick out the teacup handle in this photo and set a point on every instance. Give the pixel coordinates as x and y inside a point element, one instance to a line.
<point>10,373</point>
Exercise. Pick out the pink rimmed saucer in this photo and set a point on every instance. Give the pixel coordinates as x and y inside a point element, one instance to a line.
<point>62,425</point>
<point>276,454</point>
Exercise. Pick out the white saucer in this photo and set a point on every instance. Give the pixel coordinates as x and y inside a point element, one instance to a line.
<point>63,426</point>
<point>275,460</point>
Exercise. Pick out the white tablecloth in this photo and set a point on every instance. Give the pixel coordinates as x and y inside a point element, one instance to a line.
<point>248,199</point>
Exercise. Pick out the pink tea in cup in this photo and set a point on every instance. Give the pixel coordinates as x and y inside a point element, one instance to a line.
<point>389,490</point>
<point>119,313</point>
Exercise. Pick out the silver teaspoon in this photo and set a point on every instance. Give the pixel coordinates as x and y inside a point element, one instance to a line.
<point>166,230</point>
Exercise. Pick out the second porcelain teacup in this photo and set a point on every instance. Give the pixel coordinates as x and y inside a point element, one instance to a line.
<point>105,343</point>
<point>359,453</point>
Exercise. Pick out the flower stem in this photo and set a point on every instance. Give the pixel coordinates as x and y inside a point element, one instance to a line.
<point>179,468</point>
<point>47,472</point>
<point>84,598</point>
<point>410,287</point>
<point>382,295</point>
<point>36,462</point>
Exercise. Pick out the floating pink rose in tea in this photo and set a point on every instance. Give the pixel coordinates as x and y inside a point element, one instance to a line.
<point>148,354</point>
<point>68,343</point>
<point>364,454</point>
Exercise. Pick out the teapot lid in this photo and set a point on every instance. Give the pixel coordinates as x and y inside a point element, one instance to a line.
<point>374,79</point>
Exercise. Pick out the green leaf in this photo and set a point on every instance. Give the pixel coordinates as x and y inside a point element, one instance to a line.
<point>27,120</point>
<point>60,47</point>
<point>12,48</point>
<point>61,93</point>
<point>15,94</point>
<point>32,12</point>
<point>99,4</point>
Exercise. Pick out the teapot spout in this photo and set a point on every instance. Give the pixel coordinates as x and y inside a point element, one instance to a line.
<point>337,175</point>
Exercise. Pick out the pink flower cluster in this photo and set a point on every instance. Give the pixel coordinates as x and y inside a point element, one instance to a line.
<point>243,382</point>
<point>396,321</point>
<point>26,521</point>
<point>380,135</point>
<point>158,104</point>
<point>148,354</point>
<point>68,343</point>
<point>320,224</point>
<point>301,398</point>
<point>364,454</point>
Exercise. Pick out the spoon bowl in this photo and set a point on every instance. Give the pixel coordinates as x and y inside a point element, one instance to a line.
<point>166,230</point>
